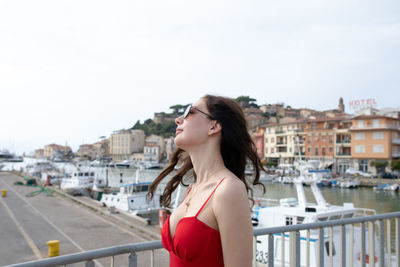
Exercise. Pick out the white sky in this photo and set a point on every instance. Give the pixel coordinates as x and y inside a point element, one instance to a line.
<point>76,70</point>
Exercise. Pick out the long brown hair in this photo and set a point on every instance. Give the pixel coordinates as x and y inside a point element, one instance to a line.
<point>236,148</point>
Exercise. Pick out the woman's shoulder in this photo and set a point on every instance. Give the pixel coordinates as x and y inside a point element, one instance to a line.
<point>231,190</point>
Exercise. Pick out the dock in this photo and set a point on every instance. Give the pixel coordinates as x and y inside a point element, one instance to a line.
<point>79,223</point>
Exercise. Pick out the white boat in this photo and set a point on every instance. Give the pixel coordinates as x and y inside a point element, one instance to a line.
<point>387,187</point>
<point>54,177</point>
<point>290,211</point>
<point>298,211</point>
<point>132,198</point>
<point>349,183</point>
<point>78,182</point>
<point>39,167</point>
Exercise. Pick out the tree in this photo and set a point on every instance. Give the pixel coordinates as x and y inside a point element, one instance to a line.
<point>379,165</point>
<point>178,108</point>
<point>246,101</point>
<point>395,165</point>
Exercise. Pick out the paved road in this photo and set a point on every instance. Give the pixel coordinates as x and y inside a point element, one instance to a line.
<point>27,223</point>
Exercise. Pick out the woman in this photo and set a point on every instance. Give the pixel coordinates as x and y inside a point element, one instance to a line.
<point>212,226</point>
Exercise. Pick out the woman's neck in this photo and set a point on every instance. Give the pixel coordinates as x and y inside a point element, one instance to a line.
<point>208,163</point>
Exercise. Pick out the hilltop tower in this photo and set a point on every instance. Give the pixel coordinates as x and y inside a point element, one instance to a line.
<point>341,105</point>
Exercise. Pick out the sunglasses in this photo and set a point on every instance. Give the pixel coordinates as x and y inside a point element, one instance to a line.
<point>187,112</point>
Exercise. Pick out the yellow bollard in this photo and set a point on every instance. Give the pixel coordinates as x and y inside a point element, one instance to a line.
<point>54,248</point>
<point>3,193</point>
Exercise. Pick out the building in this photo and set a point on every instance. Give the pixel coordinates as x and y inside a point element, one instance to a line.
<point>152,152</point>
<point>375,138</point>
<point>125,142</point>
<point>39,153</point>
<point>54,150</point>
<point>283,142</point>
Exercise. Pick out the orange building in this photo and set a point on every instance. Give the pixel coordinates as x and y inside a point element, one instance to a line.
<point>328,139</point>
<point>374,138</point>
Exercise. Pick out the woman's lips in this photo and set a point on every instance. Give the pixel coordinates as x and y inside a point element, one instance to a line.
<point>178,132</point>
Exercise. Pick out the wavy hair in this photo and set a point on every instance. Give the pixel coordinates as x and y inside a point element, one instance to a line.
<point>237,148</point>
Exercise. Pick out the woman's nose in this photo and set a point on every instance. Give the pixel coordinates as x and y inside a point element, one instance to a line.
<point>179,120</point>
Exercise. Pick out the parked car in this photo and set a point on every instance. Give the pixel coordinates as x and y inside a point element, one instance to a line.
<point>389,175</point>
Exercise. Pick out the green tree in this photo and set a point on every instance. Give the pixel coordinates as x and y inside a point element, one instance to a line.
<point>178,108</point>
<point>395,165</point>
<point>246,101</point>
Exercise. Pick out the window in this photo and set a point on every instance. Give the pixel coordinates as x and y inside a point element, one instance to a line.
<point>309,139</point>
<point>323,136</point>
<point>377,135</point>
<point>323,151</point>
<point>360,149</point>
<point>272,140</point>
<point>300,219</point>
<point>330,149</point>
<point>316,151</point>
<point>377,148</point>
<point>289,220</point>
<point>315,137</point>
<point>266,140</point>
<point>360,123</point>
<point>266,150</point>
<point>363,165</point>
<point>313,126</point>
<point>309,150</point>
<point>272,150</point>
<point>375,123</point>
<point>330,139</point>
<point>359,136</point>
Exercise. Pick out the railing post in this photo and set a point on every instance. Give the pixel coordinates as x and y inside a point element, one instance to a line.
<point>397,241</point>
<point>371,233</point>
<point>343,246</point>
<point>297,243</point>
<point>321,247</point>
<point>382,243</point>
<point>362,254</point>
<point>254,251</point>
<point>270,250</point>
<point>89,263</point>
<point>132,259</point>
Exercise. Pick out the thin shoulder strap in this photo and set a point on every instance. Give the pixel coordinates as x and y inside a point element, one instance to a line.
<point>212,193</point>
<point>187,192</point>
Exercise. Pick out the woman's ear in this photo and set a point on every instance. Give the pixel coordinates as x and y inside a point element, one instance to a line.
<point>215,128</point>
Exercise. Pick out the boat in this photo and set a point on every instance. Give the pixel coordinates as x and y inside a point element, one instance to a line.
<point>6,156</point>
<point>291,211</point>
<point>39,167</point>
<point>387,187</point>
<point>51,177</point>
<point>78,182</point>
<point>349,183</point>
<point>132,198</point>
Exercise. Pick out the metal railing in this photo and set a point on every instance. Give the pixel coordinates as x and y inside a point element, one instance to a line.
<point>377,224</point>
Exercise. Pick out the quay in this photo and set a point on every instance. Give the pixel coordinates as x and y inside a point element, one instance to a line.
<point>79,223</point>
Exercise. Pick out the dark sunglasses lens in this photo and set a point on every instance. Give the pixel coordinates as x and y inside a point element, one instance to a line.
<point>186,113</point>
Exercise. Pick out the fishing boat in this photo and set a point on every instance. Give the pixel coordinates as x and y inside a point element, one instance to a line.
<point>132,198</point>
<point>78,182</point>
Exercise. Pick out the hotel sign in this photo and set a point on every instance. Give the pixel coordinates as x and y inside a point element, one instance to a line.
<point>363,103</point>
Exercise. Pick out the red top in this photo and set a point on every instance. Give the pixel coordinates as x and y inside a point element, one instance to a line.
<point>194,243</point>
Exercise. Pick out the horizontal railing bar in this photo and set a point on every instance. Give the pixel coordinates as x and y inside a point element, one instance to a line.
<point>316,225</point>
<point>128,248</point>
<point>91,254</point>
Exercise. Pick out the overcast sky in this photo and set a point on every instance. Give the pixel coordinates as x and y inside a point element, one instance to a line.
<point>72,71</point>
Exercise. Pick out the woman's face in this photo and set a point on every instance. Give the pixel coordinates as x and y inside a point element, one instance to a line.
<point>194,129</point>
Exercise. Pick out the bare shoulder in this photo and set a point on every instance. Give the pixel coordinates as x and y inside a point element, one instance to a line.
<point>231,192</point>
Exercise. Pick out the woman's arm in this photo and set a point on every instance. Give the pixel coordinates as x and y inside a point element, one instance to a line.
<point>232,211</point>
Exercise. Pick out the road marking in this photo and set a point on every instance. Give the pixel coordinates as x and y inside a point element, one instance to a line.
<point>52,224</point>
<point>30,242</point>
